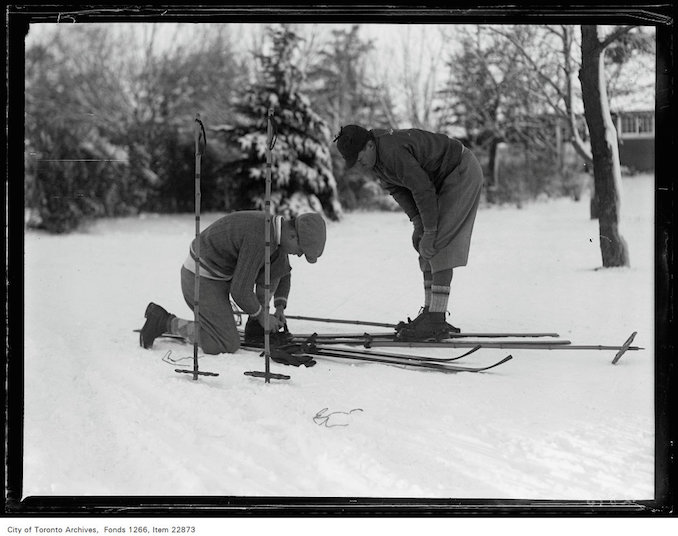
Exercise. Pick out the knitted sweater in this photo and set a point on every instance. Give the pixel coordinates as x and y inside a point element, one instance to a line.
<point>234,246</point>
<point>412,165</point>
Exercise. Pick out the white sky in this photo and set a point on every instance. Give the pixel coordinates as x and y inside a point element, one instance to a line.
<point>426,45</point>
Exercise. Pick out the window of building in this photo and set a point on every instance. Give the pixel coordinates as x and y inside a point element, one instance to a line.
<point>637,124</point>
<point>628,124</point>
<point>645,124</point>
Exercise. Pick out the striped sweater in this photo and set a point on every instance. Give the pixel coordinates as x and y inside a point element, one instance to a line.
<point>233,249</point>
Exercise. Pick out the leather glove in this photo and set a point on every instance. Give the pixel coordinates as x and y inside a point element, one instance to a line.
<point>418,231</point>
<point>287,356</point>
<point>426,249</point>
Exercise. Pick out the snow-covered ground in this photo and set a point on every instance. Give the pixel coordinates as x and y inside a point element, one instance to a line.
<point>106,417</point>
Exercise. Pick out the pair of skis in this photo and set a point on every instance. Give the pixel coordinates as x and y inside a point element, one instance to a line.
<point>316,350</point>
<point>345,346</point>
<point>327,345</point>
<point>465,340</point>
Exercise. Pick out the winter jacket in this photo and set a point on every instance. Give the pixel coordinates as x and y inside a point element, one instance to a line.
<point>233,249</point>
<point>412,165</point>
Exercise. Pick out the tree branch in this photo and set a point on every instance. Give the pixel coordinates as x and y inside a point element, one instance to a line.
<point>529,59</point>
<point>616,35</point>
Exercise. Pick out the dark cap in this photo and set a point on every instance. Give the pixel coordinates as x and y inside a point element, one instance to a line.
<point>350,141</point>
<point>311,231</point>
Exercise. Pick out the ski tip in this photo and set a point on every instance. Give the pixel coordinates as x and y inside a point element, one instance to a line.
<point>490,367</point>
<point>501,361</point>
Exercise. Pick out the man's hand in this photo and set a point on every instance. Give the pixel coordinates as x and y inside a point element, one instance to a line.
<point>274,323</point>
<point>426,249</point>
<point>418,231</point>
<point>280,315</point>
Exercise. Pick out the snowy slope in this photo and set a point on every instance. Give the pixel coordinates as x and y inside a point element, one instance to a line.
<point>103,416</point>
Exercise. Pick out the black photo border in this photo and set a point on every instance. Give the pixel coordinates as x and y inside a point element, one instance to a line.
<point>661,15</point>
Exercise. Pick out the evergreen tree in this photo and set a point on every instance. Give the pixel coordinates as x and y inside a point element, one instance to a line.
<point>302,168</point>
<point>340,90</point>
<point>110,132</point>
<point>338,83</point>
<point>78,167</point>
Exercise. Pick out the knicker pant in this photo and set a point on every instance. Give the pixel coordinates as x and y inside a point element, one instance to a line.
<point>218,332</point>
<point>458,201</point>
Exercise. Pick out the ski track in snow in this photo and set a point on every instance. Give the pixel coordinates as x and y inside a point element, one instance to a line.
<point>106,417</point>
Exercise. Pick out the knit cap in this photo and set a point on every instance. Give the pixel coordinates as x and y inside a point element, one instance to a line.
<point>350,141</point>
<point>311,231</point>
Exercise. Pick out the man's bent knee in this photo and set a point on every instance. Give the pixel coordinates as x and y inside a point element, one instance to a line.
<point>210,346</point>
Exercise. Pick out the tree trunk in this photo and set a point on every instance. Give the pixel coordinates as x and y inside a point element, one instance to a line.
<point>492,182</point>
<point>593,205</point>
<point>604,149</point>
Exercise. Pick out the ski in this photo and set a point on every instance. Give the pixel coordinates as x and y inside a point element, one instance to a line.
<point>167,336</point>
<point>407,357</point>
<point>445,343</point>
<point>412,361</point>
<point>306,348</point>
<point>560,344</point>
<point>315,352</point>
<point>392,334</point>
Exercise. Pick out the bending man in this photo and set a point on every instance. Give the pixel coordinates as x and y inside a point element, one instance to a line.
<point>437,182</point>
<point>232,257</point>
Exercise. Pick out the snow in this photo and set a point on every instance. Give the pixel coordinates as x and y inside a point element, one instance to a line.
<point>106,417</point>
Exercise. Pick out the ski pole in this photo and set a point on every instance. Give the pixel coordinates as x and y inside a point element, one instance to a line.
<point>387,325</point>
<point>199,131</point>
<point>196,298</point>
<point>334,320</point>
<point>339,321</point>
<point>270,142</point>
<point>267,239</point>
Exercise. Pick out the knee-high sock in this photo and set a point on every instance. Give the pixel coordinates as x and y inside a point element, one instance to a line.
<point>440,291</point>
<point>184,328</point>
<point>428,280</point>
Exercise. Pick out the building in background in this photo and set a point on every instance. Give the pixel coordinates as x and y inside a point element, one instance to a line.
<point>635,134</point>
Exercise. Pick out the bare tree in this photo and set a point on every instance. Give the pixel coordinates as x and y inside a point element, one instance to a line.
<point>413,69</point>
<point>556,87</point>
<point>603,153</point>
<point>422,59</point>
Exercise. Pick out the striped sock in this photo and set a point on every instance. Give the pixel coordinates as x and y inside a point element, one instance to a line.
<point>184,328</point>
<point>440,296</point>
<point>428,281</point>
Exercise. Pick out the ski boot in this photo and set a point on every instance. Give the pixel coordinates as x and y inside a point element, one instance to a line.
<point>411,324</point>
<point>254,333</point>
<point>157,322</point>
<point>431,326</point>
